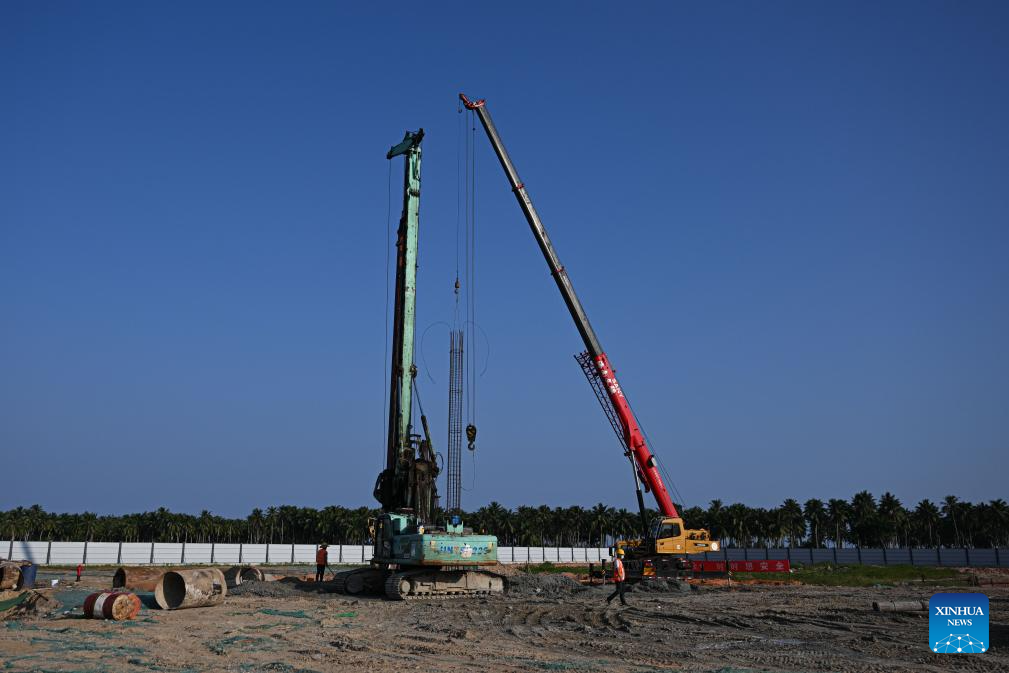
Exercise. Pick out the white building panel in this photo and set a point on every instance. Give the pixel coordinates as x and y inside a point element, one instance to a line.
<point>167,553</point>
<point>305,553</point>
<point>66,553</point>
<point>226,553</point>
<point>253,553</point>
<point>103,553</point>
<point>198,552</point>
<point>279,553</point>
<point>25,551</point>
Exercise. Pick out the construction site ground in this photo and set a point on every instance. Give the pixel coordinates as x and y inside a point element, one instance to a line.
<point>548,623</point>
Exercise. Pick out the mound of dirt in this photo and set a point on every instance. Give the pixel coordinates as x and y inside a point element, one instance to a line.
<point>663,586</point>
<point>528,584</point>
<point>265,590</point>
<point>286,587</point>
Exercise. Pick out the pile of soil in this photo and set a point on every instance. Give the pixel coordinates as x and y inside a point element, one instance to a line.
<point>548,585</point>
<point>663,586</point>
<point>265,590</point>
<point>283,588</point>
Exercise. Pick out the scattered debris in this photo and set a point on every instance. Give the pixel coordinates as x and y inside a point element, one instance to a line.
<point>299,614</point>
<point>240,642</point>
<point>27,605</point>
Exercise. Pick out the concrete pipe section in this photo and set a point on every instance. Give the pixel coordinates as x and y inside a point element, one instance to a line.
<point>900,606</point>
<point>235,575</point>
<point>253,574</point>
<point>10,576</point>
<point>179,589</point>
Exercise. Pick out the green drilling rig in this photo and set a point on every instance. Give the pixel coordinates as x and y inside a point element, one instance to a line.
<point>414,556</point>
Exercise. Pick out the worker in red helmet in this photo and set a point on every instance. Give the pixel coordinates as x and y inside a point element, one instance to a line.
<point>321,561</point>
<point>619,579</point>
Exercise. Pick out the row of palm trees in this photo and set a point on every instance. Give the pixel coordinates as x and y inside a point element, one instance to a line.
<point>862,521</point>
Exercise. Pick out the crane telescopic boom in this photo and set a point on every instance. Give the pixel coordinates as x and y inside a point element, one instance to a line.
<point>633,438</point>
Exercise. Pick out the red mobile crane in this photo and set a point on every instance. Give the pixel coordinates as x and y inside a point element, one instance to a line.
<point>666,541</point>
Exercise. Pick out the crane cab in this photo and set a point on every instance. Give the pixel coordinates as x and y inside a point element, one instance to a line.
<point>672,537</point>
<point>665,553</point>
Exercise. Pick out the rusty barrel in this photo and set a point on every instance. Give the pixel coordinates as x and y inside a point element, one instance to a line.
<point>117,605</point>
<point>196,588</point>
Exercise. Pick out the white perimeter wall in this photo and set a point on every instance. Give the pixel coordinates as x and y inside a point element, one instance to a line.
<point>165,553</point>
<point>172,553</point>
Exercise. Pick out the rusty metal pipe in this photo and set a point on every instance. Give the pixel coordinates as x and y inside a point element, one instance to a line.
<point>179,589</point>
<point>138,579</point>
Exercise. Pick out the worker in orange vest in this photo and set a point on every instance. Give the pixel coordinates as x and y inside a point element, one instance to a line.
<point>321,561</point>
<point>619,578</point>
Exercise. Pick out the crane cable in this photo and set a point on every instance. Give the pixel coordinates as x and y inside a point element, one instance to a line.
<point>469,354</point>
<point>662,469</point>
<point>458,209</point>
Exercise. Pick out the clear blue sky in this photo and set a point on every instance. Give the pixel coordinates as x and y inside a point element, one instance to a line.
<point>789,223</point>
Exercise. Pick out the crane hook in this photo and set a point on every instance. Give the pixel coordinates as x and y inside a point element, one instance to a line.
<point>471,436</point>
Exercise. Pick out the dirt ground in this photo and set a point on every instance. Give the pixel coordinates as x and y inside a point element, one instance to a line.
<point>546,626</point>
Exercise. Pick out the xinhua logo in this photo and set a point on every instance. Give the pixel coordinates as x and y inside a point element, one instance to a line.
<point>958,623</point>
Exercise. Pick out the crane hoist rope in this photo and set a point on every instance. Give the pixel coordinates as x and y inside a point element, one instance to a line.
<point>469,354</point>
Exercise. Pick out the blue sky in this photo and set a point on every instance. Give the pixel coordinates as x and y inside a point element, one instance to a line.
<point>789,223</point>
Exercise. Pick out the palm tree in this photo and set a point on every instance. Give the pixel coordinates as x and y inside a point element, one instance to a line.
<point>838,515</point>
<point>998,516</point>
<point>715,516</point>
<point>793,525</point>
<point>736,516</point>
<point>950,510</point>
<point>815,515</point>
<point>864,519</point>
<point>892,519</point>
<point>600,518</point>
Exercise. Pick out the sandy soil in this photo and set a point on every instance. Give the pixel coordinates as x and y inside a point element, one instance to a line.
<point>763,628</point>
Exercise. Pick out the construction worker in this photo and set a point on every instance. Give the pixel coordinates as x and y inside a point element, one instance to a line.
<point>321,561</point>
<point>619,577</point>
